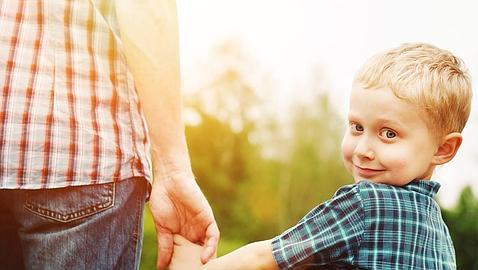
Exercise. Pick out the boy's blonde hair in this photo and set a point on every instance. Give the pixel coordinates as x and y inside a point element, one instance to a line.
<point>430,78</point>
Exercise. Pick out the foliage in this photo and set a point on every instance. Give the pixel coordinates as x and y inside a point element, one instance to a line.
<point>313,170</point>
<point>225,162</point>
<point>462,222</point>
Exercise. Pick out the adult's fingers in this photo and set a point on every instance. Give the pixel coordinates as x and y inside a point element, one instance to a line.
<point>165,249</point>
<point>210,245</point>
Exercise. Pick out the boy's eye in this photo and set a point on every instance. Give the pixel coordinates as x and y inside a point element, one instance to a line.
<point>356,127</point>
<point>389,134</point>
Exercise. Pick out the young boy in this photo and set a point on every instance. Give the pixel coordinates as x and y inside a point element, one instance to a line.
<point>408,107</point>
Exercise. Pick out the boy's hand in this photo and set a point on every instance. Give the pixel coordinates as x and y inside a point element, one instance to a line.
<point>186,255</point>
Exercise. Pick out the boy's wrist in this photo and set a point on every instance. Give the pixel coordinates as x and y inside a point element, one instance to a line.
<point>263,256</point>
<point>254,256</point>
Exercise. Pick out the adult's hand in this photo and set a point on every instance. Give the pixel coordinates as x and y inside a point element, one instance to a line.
<point>179,207</point>
<point>151,47</point>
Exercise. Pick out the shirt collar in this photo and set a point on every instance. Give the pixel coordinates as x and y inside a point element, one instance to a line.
<point>426,187</point>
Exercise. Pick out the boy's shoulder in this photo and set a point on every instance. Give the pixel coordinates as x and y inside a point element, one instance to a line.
<point>365,189</point>
<point>368,190</point>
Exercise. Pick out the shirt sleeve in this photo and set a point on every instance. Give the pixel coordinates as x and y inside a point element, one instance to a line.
<point>329,234</point>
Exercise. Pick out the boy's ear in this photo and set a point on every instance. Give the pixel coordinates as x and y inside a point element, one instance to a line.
<point>448,148</point>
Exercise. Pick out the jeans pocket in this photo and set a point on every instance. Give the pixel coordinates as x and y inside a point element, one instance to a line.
<point>71,203</point>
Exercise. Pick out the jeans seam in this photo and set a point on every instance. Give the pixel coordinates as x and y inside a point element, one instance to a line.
<point>82,213</point>
<point>137,229</point>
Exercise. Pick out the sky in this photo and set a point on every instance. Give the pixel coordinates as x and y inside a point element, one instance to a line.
<point>290,39</point>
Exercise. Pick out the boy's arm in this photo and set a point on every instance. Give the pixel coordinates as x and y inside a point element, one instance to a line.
<point>254,256</point>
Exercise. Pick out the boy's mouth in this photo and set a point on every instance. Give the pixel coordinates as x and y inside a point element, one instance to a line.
<point>367,172</point>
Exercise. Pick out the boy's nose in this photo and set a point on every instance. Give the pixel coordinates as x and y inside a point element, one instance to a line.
<point>363,150</point>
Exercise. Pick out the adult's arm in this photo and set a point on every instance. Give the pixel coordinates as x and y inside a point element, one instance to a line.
<point>149,33</point>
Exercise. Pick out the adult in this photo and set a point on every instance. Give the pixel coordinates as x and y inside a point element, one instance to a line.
<point>78,153</point>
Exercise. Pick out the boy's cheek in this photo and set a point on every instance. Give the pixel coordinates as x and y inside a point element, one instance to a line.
<point>395,158</point>
<point>347,149</point>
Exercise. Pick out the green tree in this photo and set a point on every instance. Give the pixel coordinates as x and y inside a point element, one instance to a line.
<point>220,158</point>
<point>230,168</point>
<point>462,222</point>
<point>314,169</point>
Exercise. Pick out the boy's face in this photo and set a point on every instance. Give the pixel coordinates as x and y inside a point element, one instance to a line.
<point>387,140</point>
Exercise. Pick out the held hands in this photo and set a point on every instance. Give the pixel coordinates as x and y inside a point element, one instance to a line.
<point>186,255</point>
<point>179,207</point>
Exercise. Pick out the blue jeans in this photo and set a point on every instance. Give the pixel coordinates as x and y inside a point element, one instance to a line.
<point>85,227</point>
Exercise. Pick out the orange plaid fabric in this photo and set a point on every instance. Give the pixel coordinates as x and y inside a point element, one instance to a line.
<point>69,112</point>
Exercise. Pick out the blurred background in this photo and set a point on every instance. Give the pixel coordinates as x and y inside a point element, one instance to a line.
<point>266,85</point>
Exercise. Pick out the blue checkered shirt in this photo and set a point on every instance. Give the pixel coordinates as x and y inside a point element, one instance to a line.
<point>370,226</point>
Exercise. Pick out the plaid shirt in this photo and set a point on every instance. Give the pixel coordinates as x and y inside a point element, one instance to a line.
<point>370,226</point>
<point>69,113</point>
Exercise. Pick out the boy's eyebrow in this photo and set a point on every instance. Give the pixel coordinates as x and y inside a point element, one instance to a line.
<point>350,117</point>
<point>391,121</point>
<point>380,120</point>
